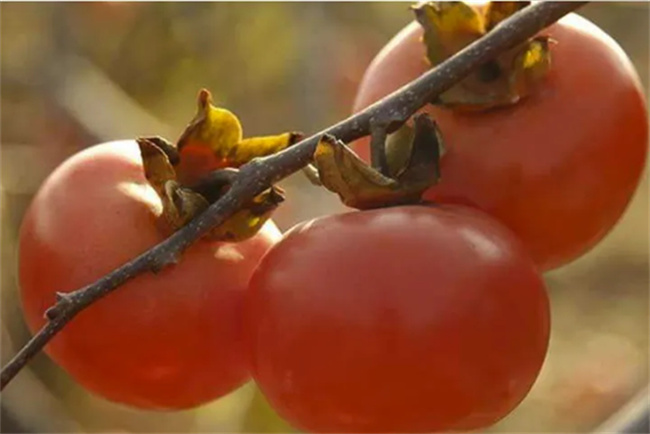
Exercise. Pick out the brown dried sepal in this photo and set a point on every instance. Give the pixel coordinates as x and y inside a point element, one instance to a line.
<point>180,204</point>
<point>360,186</point>
<point>450,26</point>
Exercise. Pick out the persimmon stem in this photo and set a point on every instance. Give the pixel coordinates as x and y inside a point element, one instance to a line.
<point>311,173</point>
<point>257,175</point>
<point>378,159</point>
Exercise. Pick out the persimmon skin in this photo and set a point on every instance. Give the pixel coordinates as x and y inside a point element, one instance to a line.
<point>162,341</point>
<point>405,319</point>
<point>560,167</point>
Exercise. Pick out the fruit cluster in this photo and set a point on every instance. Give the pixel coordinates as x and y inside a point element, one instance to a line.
<point>423,310</point>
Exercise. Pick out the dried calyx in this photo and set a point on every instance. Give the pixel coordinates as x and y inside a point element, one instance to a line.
<point>413,166</point>
<point>407,164</point>
<point>214,140</point>
<point>450,26</point>
<point>201,167</point>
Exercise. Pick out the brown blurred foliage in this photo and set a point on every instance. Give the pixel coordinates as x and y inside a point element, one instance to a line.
<point>75,74</point>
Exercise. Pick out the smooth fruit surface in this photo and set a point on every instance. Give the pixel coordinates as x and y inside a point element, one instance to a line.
<point>406,319</point>
<point>165,341</point>
<point>559,167</point>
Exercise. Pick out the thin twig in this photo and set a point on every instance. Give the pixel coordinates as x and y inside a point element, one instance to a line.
<point>256,176</point>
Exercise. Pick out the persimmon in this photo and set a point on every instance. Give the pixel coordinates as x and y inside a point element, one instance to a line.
<point>402,319</point>
<point>558,167</point>
<point>170,340</point>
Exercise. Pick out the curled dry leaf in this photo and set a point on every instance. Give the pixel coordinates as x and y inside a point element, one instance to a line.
<point>360,186</point>
<point>168,148</point>
<point>157,167</point>
<point>450,26</point>
<point>214,140</point>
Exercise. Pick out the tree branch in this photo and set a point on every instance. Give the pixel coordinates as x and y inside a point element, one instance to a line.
<point>256,176</point>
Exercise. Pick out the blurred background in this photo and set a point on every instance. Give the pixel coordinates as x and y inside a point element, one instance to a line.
<point>76,74</point>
